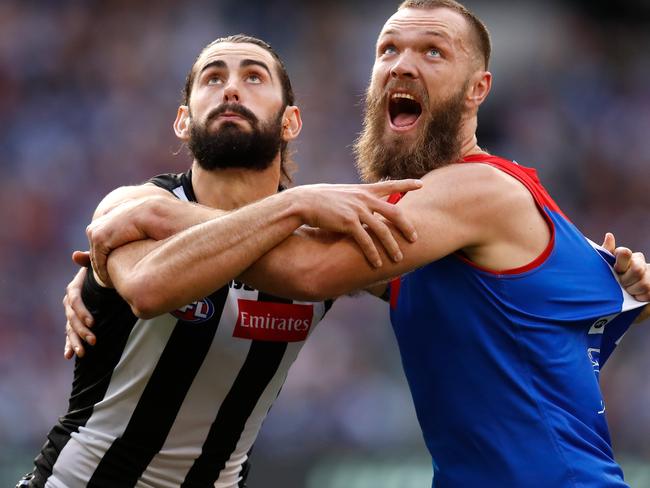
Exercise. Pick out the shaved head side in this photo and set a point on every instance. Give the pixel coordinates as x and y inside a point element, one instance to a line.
<point>481,36</point>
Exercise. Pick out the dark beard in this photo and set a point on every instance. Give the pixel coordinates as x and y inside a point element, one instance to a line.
<point>438,144</point>
<point>232,147</point>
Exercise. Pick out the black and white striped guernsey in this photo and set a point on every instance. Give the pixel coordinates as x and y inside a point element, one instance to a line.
<point>177,400</point>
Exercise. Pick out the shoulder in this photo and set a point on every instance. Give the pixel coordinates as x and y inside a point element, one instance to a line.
<point>472,189</point>
<point>474,203</point>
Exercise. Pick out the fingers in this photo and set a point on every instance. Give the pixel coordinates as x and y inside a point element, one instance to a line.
<point>73,341</point>
<point>67,350</point>
<point>366,244</point>
<point>640,292</point>
<point>610,242</point>
<point>395,186</point>
<point>636,277</point>
<point>623,259</point>
<point>79,319</point>
<point>81,258</point>
<point>395,215</point>
<point>383,233</point>
<point>99,251</point>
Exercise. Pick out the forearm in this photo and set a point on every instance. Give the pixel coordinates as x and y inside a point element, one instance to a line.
<point>159,277</point>
<point>308,267</point>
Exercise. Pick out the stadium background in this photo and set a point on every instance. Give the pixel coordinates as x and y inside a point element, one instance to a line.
<point>88,92</point>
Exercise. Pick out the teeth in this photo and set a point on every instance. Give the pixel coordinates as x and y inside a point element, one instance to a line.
<point>403,95</point>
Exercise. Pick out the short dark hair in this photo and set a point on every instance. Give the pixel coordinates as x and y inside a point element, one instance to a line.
<point>484,44</point>
<point>288,98</point>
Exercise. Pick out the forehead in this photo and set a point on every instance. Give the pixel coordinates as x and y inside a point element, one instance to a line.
<point>418,22</point>
<point>232,53</point>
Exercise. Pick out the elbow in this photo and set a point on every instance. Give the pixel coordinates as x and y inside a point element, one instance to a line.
<point>142,297</point>
<point>315,284</point>
<point>144,310</point>
<point>310,292</point>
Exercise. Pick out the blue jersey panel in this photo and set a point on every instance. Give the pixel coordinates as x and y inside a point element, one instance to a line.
<point>503,368</point>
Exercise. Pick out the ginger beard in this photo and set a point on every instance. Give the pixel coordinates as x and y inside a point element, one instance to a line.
<point>393,156</point>
<point>232,146</point>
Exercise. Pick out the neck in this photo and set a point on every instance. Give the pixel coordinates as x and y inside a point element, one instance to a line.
<point>232,188</point>
<point>469,143</point>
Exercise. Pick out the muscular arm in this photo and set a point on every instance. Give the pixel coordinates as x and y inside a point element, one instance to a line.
<point>459,208</point>
<point>447,218</point>
<point>159,276</point>
<point>152,283</point>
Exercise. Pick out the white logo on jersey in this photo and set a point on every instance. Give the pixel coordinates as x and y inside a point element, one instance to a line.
<point>598,326</point>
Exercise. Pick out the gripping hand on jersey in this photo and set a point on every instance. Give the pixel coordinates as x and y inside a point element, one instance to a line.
<point>633,272</point>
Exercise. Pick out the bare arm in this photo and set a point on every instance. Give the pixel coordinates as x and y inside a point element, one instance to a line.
<point>158,276</point>
<point>142,212</point>
<point>313,267</point>
<point>446,221</point>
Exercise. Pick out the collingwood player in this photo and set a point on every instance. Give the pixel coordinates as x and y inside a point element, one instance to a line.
<point>176,389</point>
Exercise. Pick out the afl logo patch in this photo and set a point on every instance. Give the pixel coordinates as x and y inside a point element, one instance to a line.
<point>598,327</point>
<point>196,312</point>
<point>600,323</point>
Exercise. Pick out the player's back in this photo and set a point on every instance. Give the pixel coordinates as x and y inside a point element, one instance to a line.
<point>503,368</point>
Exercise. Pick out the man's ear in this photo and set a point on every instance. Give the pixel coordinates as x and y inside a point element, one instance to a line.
<point>291,123</point>
<point>479,88</point>
<point>182,123</point>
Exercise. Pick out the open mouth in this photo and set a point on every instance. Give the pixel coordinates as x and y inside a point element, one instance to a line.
<point>403,110</point>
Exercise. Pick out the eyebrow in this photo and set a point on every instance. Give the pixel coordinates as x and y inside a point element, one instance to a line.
<point>253,62</point>
<point>243,64</point>
<point>213,64</point>
<point>434,33</point>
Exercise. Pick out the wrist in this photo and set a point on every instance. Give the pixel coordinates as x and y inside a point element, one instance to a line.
<point>294,203</point>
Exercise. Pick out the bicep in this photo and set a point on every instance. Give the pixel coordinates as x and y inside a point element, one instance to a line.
<point>305,265</point>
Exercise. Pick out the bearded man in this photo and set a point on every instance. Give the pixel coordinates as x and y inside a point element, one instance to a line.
<point>177,399</point>
<point>504,312</point>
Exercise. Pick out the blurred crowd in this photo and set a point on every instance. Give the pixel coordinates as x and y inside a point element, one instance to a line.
<point>88,93</point>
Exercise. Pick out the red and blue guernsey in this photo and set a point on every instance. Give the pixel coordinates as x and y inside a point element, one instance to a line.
<point>503,366</point>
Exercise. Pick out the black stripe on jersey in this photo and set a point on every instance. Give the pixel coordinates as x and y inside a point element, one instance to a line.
<point>260,366</point>
<point>154,415</point>
<point>92,373</point>
<point>172,181</point>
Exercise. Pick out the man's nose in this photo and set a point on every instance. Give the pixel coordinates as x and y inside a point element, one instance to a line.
<point>231,92</point>
<point>404,67</point>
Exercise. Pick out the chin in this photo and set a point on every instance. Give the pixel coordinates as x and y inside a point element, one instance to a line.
<point>400,138</point>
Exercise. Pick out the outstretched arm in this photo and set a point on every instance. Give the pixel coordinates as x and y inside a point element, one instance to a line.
<point>314,266</point>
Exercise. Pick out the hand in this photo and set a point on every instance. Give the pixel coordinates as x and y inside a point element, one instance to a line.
<point>131,220</point>
<point>633,271</point>
<point>79,319</point>
<point>357,210</point>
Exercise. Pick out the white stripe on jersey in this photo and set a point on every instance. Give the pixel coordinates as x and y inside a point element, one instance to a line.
<point>180,193</point>
<point>211,384</point>
<point>82,453</point>
<point>231,471</point>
